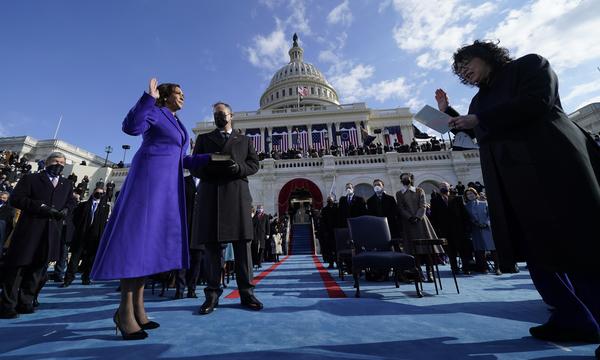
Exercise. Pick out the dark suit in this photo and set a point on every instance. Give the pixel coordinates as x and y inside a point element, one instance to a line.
<point>88,231</point>
<point>385,206</point>
<point>222,209</point>
<point>36,238</point>
<point>260,223</point>
<point>451,221</point>
<point>327,224</point>
<point>7,214</point>
<point>349,209</point>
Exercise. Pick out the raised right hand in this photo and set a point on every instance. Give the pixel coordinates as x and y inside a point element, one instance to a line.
<point>153,88</point>
<point>442,100</point>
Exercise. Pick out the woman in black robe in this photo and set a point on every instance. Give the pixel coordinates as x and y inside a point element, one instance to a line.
<point>526,138</point>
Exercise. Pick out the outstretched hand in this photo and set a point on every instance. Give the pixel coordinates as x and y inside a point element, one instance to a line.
<point>153,88</point>
<point>442,100</point>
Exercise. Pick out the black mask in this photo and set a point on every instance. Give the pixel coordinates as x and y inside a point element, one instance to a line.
<point>444,190</point>
<point>220,119</point>
<point>97,195</point>
<point>406,182</point>
<point>55,170</point>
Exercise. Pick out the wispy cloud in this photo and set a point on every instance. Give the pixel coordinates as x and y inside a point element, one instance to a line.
<point>341,14</point>
<point>565,31</point>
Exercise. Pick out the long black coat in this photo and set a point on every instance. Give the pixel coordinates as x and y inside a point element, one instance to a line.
<point>88,231</point>
<point>262,229</point>
<point>36,238</point>
<point>357,207</point>
<point>452,222</point>
<point>7,214</point>
<point>386,207</point>
<point>541,171</point>
<point>223,203</point>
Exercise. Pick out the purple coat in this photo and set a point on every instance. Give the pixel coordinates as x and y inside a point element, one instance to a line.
<point>147,230</point>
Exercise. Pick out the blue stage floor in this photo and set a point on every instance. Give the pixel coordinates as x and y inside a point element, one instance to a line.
<point>488,320</point>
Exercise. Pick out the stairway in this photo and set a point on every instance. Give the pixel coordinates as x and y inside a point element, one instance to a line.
<point>301,243</point>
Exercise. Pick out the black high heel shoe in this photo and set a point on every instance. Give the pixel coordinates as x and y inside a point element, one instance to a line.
<point>150,325</point>
<point>138,335</point>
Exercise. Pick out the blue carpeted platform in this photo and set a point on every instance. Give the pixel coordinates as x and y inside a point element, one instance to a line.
<point>488,320</point>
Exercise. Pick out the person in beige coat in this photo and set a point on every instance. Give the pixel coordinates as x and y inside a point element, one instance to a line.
<point>415,224</point>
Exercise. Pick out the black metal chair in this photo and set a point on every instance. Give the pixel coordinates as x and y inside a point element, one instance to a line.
<point>373,250</point>
<point>343,250</point>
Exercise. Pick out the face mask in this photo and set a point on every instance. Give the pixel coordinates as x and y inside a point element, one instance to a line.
<point>220,119</point>
<point>55,170</point>
<point>260,211</point>
<point>471,197</point>
<point>349,191</point>
<point>406,182</point>
<point>2,202</point>
<point>98,195</point>
<point>444,190</point>
<point>378,189</point>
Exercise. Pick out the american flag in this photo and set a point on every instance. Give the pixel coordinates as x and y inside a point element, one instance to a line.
<point>300,139</point>
<point>255,138</point>
<point>392,133</point>
<point>319,139</point>
<point>349,136</point>
<point>302,91</point>
<point>279,140</point>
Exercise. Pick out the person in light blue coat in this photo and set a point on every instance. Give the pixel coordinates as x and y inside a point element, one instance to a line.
<point>481,232</point>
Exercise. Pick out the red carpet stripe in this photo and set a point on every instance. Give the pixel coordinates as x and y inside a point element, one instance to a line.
<point>236,294</point>
<point>332,287</point>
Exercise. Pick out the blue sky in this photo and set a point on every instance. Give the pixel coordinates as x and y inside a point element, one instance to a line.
<point>89,61</point>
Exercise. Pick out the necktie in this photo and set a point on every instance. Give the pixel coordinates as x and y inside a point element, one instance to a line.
<point>225,135</point>
<point>55,181</point>
<point>94,206</point>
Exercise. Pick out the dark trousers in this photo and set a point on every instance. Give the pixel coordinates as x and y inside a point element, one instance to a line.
<point>257,252</point>
<point>61,264</point>
<point>190,276</point>
<point>84,254</point>
<point>213,258</point>
<point>574,296</point>
<point>21,285</point>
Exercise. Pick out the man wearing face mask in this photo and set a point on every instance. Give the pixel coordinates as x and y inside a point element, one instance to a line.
<point>350,206</point>
<point>451,221</point>
<point>260,223</point>
<point>329,218</point>
<point>221,213</point>
<point>90,218</point>
<point>44,198</point>
<point>384,205</point>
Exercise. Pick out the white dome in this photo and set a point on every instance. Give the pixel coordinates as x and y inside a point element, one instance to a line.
<point>282,91</point>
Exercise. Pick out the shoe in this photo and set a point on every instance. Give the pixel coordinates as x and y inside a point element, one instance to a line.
<point>251,302</point>
<point>330,266</point>
<point>150,325</point>
<point>67,282</point>
<point>57,278</point>
<point>9,314</point>
<point>86,282</point>
<point>209,306</point>
<point>178,295</point>
<point>138,335</point>
<point>192,294</point>
<point>36,303</point>
<point>498,272</point>
<point>551,333</point>
<point>25,309</point>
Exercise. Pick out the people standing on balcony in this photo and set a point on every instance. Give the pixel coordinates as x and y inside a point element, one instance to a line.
<point>526,138</point>
<point>136,243</point>
<point>349,206</point>
<point>223,202</point>
<point>451,221</point>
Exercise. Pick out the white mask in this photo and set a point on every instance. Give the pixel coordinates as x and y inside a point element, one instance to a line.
<point>349,191</point>
<point>471,197</point>
<point>378,189</point>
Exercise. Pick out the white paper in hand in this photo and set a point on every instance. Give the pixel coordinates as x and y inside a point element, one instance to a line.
<point>461,139</point>
<point>433,119</point>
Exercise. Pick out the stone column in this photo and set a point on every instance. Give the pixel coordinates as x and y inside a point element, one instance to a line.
<point>269,132</point>
<point>289,135</point>
<point>310,143</point>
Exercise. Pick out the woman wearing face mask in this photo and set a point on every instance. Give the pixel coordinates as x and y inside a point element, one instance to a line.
<point>481,233</point>
<point>415,224</point>
<point>147,231</point>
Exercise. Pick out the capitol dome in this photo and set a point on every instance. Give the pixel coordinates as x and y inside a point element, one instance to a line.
<point>283,89</point>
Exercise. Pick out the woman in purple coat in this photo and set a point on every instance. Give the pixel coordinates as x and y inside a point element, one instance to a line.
<point>147,231</point>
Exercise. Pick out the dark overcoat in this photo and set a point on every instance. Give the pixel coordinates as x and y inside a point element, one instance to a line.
<point>88,231</point>
<point>532,153</point>
<point>356,207</point>
<point>223,202</point>
<point>262,229</point>
<point>36,238</point>
<point>388,208</point>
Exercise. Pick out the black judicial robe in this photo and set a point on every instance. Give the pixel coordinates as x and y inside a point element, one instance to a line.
<point>541,171</point>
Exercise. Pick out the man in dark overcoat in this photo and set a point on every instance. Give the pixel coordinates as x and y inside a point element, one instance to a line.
<point>450,220</point>
<point>222,208</point>
<point>384,205</point>
<point>44,198</point>
<point>90,218</point>
<point>260,224</point>
<point>7,215</point>
<point>327,224</point>
<point>349,206</point>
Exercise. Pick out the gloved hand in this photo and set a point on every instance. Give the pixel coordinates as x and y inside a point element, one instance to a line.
<point>46,211</point>
<point>58,215</point>
<point>234,168</point>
